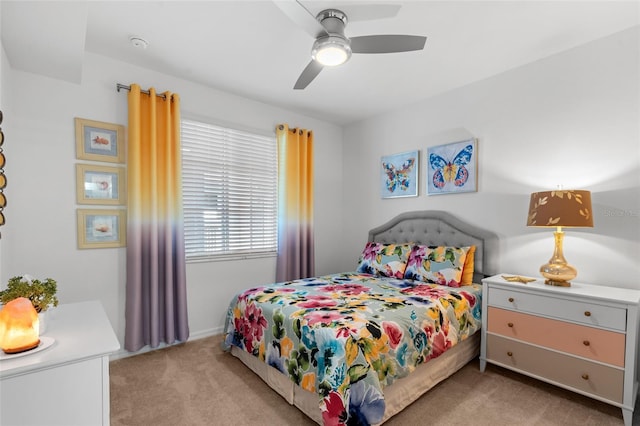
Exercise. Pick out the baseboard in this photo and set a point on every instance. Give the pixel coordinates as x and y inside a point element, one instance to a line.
<point>123,353</point>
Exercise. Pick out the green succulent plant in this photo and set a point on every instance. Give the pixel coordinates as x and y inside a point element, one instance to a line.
<point>42,294</point>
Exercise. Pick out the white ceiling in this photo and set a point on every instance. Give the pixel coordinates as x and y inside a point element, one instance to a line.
<point>251,48</point>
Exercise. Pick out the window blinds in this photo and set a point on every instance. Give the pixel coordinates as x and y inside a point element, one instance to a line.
<point>229,182</point>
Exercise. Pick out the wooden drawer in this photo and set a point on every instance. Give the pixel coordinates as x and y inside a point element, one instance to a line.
<point>588,342</point>
<point>578,311</point>
<point>577,374</point>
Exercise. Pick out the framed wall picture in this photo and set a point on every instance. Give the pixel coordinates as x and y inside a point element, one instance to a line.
<point>100,184</point>
<point>399,175</point>
<point>98,141</point>
<point>101,228</point>
<point>452,168</point>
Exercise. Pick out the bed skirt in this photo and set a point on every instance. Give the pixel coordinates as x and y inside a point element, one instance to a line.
<point>397,396</point>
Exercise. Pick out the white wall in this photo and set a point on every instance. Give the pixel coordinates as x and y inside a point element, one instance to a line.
<point>40,235</point>
<point>571,119</point>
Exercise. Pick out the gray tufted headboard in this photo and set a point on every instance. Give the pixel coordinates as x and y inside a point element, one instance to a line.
<point>439,228</point>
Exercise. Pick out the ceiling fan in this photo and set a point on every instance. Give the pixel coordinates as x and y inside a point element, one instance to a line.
<point>332,47</point>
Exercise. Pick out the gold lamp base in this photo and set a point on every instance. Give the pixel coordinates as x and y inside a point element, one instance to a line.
<point>558,272</point>
<point>555,281</point>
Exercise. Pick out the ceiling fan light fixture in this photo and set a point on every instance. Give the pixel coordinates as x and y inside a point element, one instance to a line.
<point>331,51</point>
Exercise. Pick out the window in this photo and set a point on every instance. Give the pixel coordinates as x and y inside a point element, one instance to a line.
<point>229,184</point>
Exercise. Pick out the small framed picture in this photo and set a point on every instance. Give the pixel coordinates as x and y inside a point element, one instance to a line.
<point>399,175</point>
<point>100,184</point>
<point>101,228</point>
<point>452,168</point>
<point>98,141</point>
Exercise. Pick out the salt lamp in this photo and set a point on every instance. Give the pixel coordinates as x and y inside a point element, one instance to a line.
<point>19,326</point>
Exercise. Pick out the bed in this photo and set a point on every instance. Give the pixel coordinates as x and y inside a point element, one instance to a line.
<point>358,347</point>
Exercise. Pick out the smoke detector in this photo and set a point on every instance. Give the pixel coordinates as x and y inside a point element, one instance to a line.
<point>138,42</point>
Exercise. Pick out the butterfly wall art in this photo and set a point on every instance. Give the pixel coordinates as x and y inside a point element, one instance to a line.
<point>452,167</point>
<point>399,175</point>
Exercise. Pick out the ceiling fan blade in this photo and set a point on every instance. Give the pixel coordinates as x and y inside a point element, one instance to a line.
<point>387,43</point>
<point>302,17</point>
<point>310,72</point>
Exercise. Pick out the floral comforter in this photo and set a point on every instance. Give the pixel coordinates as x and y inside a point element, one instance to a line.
<point>346,336</point>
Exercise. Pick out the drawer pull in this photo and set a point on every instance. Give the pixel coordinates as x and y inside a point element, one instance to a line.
<point>509,353</point>
<point>586,343</point>
<point>585,376</point>
<point>587,313</point>
<point>511,299</point>
<point>510,324</point>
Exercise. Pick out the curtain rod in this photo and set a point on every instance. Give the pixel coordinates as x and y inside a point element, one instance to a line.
<point>146,92</point>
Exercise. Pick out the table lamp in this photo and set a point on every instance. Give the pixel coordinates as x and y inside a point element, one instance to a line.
<point>561,208</point>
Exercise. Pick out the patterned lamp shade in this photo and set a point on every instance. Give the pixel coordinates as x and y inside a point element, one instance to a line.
<point>560,208</point>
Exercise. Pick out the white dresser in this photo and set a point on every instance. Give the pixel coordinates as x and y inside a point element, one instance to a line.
<point>68,382</point>
<point>583,338</point>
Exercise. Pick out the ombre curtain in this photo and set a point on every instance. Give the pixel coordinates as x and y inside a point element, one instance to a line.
<point>296,253</point>
<point>156,301</point>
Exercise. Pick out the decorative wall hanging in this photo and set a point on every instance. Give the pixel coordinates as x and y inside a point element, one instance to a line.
<point>101,228</point>
<point>100,184</point>
<point>399,175</point>
<point>98,141</point>
<point>3,178</point>
<point>452,168</point>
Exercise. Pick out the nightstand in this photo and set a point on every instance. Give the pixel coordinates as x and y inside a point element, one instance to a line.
<point>68,382</point>
<point>583,338</point>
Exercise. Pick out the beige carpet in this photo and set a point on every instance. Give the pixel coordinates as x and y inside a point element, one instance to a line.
<point>198,384</point>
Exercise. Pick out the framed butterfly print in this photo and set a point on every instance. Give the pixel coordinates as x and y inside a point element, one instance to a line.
<point>452,168</point>
<point>399,175</point>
